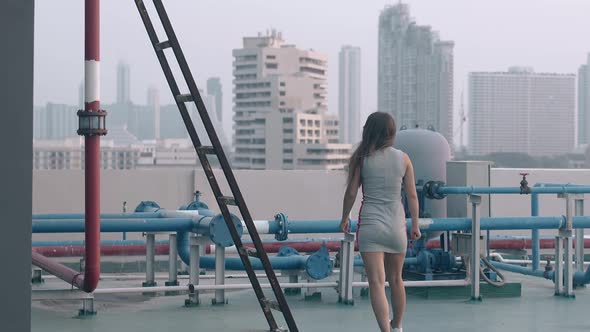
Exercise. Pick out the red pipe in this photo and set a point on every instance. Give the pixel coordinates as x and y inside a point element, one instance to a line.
<point>92,148</point>
<point>515,244</point>
<point>61,271</point>
<point>304,247</point>
<point>89,280</point>
<point>114,250</point>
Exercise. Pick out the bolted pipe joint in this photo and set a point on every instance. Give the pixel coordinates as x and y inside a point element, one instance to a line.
<point>92,123</point>
<point>319,265</point>
<point>431,190</point>
<point>216,229</point>
<point>282,233</point>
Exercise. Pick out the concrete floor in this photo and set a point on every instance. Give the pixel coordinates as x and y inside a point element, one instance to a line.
<point>537,310</point>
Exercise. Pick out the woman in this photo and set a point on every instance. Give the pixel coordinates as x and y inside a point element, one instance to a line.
<point>382,239</point>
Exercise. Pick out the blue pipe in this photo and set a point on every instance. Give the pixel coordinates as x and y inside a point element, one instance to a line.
<point>535,243</point>
<point>564,189</point>
<point>278,263</point>
<point>580,278</point>
<point>504,223</point>
<point>524,270</point>
<point>183,247</point>
<point>453,224</point>
<point>358,261</point>
<point>314,226</point>
<point>297,240</point>
<point>318,265</point>
<point>115,225</point>
<point>102,243</point>
<point>536,255</point>
<point>63,216</point>
<point>310,226</point>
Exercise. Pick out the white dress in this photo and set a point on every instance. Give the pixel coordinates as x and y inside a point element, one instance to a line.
<point>382,221</point>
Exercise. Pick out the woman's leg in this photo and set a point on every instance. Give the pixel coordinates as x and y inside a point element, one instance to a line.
<point>375,269</point>
<point>394,263</point>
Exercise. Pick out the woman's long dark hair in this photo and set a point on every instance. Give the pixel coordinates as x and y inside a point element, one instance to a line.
<point>378,133</point>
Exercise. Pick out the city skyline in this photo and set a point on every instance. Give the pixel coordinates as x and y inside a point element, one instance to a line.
<point>151,120</point>
<point>480,43</point>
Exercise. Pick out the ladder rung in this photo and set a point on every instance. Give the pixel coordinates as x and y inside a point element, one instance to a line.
<point>206,150</point>
<point>163,45</point>
<point>248,251</point>
<point>228,200</point>
<point>184,98</point>
<point>271,304</point>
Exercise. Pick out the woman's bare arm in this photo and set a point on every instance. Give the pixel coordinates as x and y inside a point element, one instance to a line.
<point>349,199</point>
<point>412,197</point>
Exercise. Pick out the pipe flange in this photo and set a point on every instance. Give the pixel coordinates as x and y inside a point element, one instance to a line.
<point>431,189</point>
<point>282,233</point>
<point>219,232</point>
<point>147,206</point>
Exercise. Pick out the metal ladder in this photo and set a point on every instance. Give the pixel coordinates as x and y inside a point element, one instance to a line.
<point>215,149</point>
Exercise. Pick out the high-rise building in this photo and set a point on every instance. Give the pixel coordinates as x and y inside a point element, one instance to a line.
<point>349,94</point>
<point>584,103</point>
<point>55,121</point>
<point>214,89</point>
<point>521,111</point>
<point>280,108</point>
<point>123,83</point>
<point>415,73</point>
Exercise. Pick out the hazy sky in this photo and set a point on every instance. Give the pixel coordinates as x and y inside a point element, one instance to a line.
<point>489,35</point>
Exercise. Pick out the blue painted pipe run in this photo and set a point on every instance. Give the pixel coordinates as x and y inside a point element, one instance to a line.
<point>564,189</point>
<point>318,266</point>
<point>453,224</point>
<point>116,225</point>
<point>535,243</point>
<point>298,240</point>
<point>358,261</point>
<point>580,278</point>
<point>102,243</point>
<point>309,226</point>
<point>507,223</point>
<point>536,252</point>
<point>62,216</point>
<point>524,270</point>
<point>315,226</point>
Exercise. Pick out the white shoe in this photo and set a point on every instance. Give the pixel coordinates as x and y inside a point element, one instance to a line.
<point>394,329</point>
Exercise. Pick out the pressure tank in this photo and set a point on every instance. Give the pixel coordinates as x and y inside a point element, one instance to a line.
<point>429,152</point>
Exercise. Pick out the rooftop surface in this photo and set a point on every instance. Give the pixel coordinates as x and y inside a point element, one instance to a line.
<point>536,310</point>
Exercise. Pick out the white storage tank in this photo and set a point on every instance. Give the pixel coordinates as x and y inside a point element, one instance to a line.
<point>429,152</point>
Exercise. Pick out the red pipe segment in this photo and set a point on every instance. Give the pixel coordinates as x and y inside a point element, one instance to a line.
<point>515,244</point>
<point>114,250</point>
<point>92,148</point>
<point>304,247</point>
<point>88,280</point>
<point>61,271</point>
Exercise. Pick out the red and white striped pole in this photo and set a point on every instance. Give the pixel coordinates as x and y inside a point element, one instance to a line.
<point>92,126</point>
